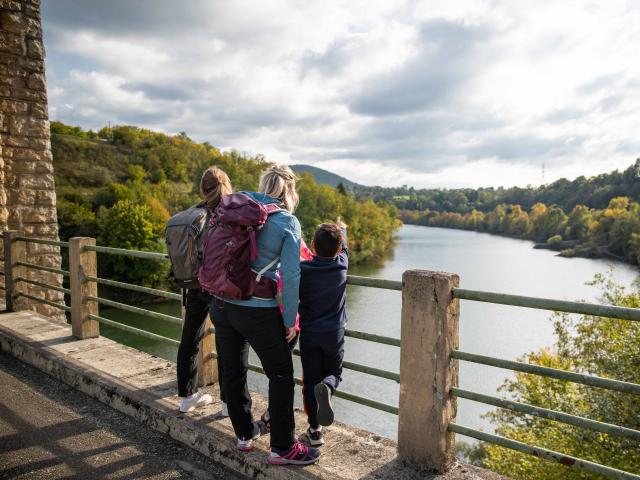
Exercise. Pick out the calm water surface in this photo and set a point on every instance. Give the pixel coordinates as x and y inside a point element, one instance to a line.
<point>484,262</point>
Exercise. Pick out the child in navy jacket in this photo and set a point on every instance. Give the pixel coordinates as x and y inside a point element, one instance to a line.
<point>323,283</point>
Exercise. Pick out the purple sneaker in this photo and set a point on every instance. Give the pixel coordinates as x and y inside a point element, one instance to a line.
<point>297,454</point>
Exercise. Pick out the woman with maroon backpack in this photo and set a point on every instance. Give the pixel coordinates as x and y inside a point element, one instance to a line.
<point>248,314</point>
<point>184,234</point>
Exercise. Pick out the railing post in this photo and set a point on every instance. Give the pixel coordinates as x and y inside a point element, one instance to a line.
<point>208,366</point>
<point>82,263</point>
<point>430,317</point>
<point>14,251</point>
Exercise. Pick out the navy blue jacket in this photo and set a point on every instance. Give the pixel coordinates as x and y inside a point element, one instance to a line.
<point>323,285</point>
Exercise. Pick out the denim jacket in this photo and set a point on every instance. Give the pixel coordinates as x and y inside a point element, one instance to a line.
<point>279,237</point>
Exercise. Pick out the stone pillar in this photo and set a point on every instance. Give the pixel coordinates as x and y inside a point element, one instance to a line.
<point>14,252</point>
<point>27,191</point>
<point>207,365</point>
<point>82,264</point>
<point>430,317</point>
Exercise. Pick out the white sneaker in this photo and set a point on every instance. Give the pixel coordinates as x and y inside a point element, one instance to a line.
<point>224,411</point>
<point>247,445</point>
<point>198,399</point>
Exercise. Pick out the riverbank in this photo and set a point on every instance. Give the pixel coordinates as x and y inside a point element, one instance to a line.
<point>566,249</point>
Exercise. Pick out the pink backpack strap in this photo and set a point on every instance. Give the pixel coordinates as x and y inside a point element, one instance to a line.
<point>273,208</point>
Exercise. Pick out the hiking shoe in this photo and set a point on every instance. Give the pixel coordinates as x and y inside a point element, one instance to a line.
<point>325,410</point>
<point>198,399</point>
<point>297,454</point>
<point>313,438</point>
<point>265,420</point>
<point>224,410</point>
<point>247,445</point>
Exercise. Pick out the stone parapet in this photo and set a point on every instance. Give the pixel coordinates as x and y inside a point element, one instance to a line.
<point>144,387</point>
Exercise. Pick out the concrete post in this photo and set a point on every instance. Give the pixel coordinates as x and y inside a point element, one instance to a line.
<point>430,317</point>
<point>14,251</point>
<point>82,263</point>
<point>208,366</point>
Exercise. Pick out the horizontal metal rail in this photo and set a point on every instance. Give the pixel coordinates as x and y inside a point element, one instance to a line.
<point>356,367</point>
<point>543,453</point>
<point>372,337</point>
<point>591,380</point>
<point>128,253</point>
<point>135,288</point>
<point>547,413</point>
<point>374,282</point>
<point>137,331</point>
<point>367,402</point>
<point>43,241</point>
<point>44,300</point>
<point>43,285</point>
<point>59,271</point>
<point>608,311</point>
<point>129,308</point>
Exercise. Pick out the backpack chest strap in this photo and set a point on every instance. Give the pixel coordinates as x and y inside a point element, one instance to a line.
<point>266,268</point>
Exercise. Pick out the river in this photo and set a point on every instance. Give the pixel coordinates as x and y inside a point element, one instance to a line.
<point>484,262</point>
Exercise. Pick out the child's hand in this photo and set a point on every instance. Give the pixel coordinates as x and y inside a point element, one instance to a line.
<point>340,223</point>
<point>290,333</point>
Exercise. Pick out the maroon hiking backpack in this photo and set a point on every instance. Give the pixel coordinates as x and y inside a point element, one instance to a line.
<point>231,245</point>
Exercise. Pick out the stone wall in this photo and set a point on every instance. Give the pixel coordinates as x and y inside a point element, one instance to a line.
<point>27,194</point>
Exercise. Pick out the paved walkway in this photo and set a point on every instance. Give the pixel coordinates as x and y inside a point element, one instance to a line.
<point>49,430</point>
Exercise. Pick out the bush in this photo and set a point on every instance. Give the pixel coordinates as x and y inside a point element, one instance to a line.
<point>554,240</point>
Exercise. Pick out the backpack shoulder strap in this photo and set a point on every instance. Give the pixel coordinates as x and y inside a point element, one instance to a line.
<point>273,208</point>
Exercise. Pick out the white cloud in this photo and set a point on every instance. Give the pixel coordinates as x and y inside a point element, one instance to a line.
<point>432,93</point>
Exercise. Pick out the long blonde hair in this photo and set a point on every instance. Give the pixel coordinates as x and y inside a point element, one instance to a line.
<point>214,184</point>
<point>279,182</point>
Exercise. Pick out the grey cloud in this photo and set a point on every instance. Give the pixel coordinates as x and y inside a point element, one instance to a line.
<point>182,90</point>
<point>447,59</point>
<point>563,115</point>
<point>126,17</point>
<point>597,84</point>
<point>524,147</point>
<point>332,61</point>
<point>630,147</point>
<point>610,103</point>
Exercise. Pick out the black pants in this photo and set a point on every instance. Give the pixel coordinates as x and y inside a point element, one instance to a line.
<point>321,355</point>
<point>197,304</point>
<point>237,327</point>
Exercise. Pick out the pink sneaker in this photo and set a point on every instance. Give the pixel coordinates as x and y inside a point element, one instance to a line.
<point>297,454</point>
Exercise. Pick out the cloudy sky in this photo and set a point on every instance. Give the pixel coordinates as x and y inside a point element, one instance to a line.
<point>430,94</point>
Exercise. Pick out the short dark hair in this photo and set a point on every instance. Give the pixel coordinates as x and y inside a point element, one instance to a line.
<point>327,240</point>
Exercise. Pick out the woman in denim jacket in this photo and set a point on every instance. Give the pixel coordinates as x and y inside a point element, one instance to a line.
<point>258,323</point>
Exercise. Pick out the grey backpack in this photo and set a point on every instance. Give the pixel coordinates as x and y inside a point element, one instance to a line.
<point>184,234</point>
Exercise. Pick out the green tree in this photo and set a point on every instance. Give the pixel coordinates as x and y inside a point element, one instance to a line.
<point>131,226</point>
<point>585,344</point>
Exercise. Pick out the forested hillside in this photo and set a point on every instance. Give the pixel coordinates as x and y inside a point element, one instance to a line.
<point>593,217</point>
<point>121,184</point>
<point>324,176</point>
<point>594,192</point>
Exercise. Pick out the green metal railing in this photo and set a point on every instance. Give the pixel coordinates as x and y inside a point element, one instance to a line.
<point>605,311</point>
<point>353,280</point>
<point>543,453</point>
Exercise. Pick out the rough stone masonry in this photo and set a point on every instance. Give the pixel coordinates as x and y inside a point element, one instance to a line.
<point>27,193</point>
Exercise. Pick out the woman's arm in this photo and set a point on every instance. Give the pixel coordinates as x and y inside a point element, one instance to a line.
<point>290,272</point>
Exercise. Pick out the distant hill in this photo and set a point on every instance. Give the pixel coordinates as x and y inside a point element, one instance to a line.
<point>323,176</point>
